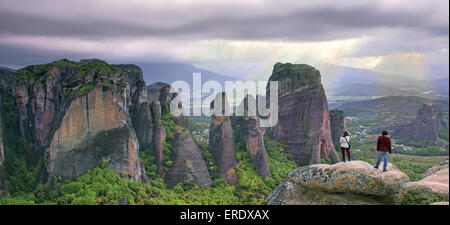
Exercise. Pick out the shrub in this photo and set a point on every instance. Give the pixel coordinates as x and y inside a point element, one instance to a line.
<point>420,196</point>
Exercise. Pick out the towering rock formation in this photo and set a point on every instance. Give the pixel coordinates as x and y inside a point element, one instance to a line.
<point>187,162</point>
<point>337,125</point>
<point>253,136</point>
<point>2,158</point>
<point>147,120</point>
<point>72,116</point>
<point>425,127</point>
<point>76,115</point>
<point>303,120</point>
<point>95,128</point>
<point>4,93</point>
<point>2,151</point>
<point>221,141</point>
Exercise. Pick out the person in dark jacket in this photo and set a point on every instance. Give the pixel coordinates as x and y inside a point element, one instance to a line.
<point>383,148</point>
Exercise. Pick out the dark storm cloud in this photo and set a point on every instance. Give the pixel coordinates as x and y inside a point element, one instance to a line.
<point>45,30</point>
<point>17,57</point>
<point>325,23</point>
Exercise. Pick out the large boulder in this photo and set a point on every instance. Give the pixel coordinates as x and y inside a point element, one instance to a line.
<point>354,182</point>
<point>303,119</point>
<point>435,179</point>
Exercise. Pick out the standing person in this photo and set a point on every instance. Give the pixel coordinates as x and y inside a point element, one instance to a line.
<point>345,145</point>
<point>383,148</point>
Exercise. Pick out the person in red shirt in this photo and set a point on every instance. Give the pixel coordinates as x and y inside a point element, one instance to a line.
<point>383,148</point>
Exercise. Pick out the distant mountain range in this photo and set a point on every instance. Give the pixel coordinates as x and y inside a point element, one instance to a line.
<point>354,82</point>
<point>169,72</point>
<point>362,89</point>
<point>7,68</point>
<point>385,111</point>
<point>407,105</point>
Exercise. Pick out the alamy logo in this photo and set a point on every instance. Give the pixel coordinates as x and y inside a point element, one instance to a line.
<point>195,103</point>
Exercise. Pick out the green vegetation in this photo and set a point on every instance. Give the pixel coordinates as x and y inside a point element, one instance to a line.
<point>84,90</point>
<point>195,126</point>
<point>22,175</point>
<point>280,161</point>
<point>210,162</point>
<point>167,120</point>
<point>420,196</point>
<point>443,134</point>
<point>432,150</point>
<point>251,188</point>
<point>102,185</point>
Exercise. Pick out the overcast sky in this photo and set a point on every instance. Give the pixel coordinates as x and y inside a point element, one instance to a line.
<point>239,38</point>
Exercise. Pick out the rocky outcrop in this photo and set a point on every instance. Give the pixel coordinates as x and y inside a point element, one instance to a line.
<point>435,179</point>
<point>2,158</point>
<point>75,115</point>
<point>253,137</point>
<point>188,164</point>
<point>337,125</point>
<point>425,127</point>
<point>94,128</point>
<point>354,182</point>
<point>222,143</point>
<point>303,119</point>
<point>2,151</point>
<point>147,120</point>
<point>6,76</point>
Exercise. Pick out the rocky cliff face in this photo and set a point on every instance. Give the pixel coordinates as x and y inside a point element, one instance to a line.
<point>188,164</point>
<point>350,183</point>
<point>147,120</point>
<point>253,136</point>
<point>76,115</point>
<point>4,92</point>
<point>222,143</point>
<point>425,127</point>
<point>337,125</point>
<point>94,128</point>
<point>303,119</point>
<point>2,157</point>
